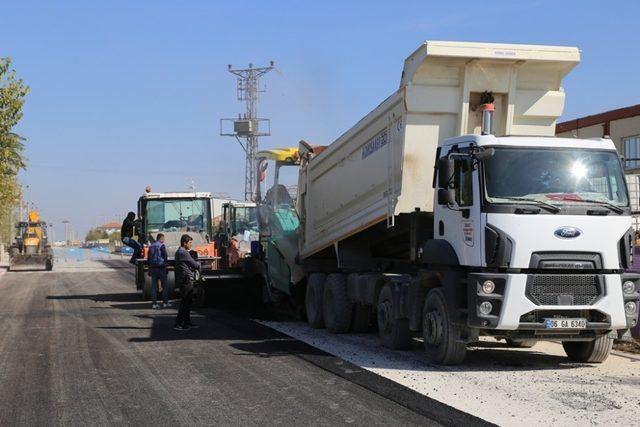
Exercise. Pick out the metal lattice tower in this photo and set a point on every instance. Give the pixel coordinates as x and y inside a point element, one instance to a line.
<point>247,126</point>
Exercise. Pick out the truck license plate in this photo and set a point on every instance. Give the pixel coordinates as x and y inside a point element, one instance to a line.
<point>565,323</point>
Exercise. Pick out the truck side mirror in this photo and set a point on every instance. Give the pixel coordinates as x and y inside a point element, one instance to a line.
<point>445,172</point>
<point>485,154</point>
<point>446,196</point>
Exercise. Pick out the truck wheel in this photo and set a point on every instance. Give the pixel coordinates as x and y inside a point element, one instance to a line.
<point>48,265</point>
<point>442,338</point>
<point>361,318</point>
<point>595,351</point>
<point>336,307</point>
<point>394,333</point>
<point>313,300</point>
<point>520,343</point>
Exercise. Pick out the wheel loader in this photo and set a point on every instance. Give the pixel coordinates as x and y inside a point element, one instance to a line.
<point>31,247</point>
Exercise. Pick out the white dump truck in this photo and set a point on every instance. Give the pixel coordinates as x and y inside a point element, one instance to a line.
<point>451,209</point>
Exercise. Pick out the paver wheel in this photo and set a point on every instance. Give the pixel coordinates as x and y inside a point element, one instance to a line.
<point>595,351</point>
<point>520,343</point>
<point>442,338</point>
<point>361,318</point>
<point>313,300</point>
<point>336,306</point>
<point>394,333</point>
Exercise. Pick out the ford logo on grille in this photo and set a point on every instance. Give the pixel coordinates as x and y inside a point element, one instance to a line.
<point>567,232</point>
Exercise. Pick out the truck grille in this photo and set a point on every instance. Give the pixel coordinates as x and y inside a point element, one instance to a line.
<point>563,289</point>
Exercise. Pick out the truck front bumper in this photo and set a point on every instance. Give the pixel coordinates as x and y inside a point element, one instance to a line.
<point>513,307</point>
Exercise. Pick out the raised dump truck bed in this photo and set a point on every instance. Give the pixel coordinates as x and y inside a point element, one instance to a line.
<point>383,166</point>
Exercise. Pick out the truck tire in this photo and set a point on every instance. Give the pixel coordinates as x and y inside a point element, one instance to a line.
<point>520,343</point>
<point>336,307</point>
<point>361,318</point>
<point>313,300</point>
<point>48,265</point>
<point>442,338</point>
<point>595,351</point>
<point>394,333</point>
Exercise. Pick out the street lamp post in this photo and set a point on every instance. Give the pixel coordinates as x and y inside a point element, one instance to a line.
<point>66,231</point>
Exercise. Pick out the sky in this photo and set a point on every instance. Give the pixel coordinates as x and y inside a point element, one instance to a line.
<point>126,94</point>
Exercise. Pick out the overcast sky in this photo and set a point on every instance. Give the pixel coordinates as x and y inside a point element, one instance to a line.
<point>129,93</point>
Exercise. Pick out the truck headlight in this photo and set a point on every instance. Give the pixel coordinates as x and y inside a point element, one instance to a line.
<point>486,307</point>
<point>628,287</point>
<point>629,308</point>
<point>488,287</point>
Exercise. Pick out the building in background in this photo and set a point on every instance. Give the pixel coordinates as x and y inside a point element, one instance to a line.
<point>110,228</point>
<point>621,125</point>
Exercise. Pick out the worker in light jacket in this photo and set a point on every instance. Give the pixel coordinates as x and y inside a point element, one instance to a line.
<point>185,268</point>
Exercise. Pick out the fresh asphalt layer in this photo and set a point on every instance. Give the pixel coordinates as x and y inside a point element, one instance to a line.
<point>79,347</point>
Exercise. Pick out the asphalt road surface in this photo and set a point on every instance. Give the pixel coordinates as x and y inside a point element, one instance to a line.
<point>78,347</point>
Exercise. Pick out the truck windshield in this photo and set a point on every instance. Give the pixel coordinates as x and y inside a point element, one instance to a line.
<point>246,219</point>
<point>558,176</point>
<point>177,215</point>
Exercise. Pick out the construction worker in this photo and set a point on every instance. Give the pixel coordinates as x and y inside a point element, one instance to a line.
<point>234,253</point>
<point>126,234</point>
<point>158,260</point>
<point>185,267</point>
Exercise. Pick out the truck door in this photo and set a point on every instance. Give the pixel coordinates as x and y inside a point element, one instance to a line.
<point>460,223</point>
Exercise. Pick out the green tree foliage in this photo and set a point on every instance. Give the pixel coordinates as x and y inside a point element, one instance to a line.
<point>114,237</point>
<point>96,234</point>
<point>12,95</point>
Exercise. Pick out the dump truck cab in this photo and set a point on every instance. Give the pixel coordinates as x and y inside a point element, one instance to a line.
<point>541,229</point>
<point>174,214</point>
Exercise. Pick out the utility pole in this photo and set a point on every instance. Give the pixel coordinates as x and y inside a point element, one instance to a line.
<point>247,126</point>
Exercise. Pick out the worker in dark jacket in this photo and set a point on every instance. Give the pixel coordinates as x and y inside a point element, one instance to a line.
<point>158,261</point>
<point>185,268</point>
<point>126,234</point>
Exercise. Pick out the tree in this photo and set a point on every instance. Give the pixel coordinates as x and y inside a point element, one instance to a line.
<point>96,234</point>
<point>114,237</point>
<point>12,96</point>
